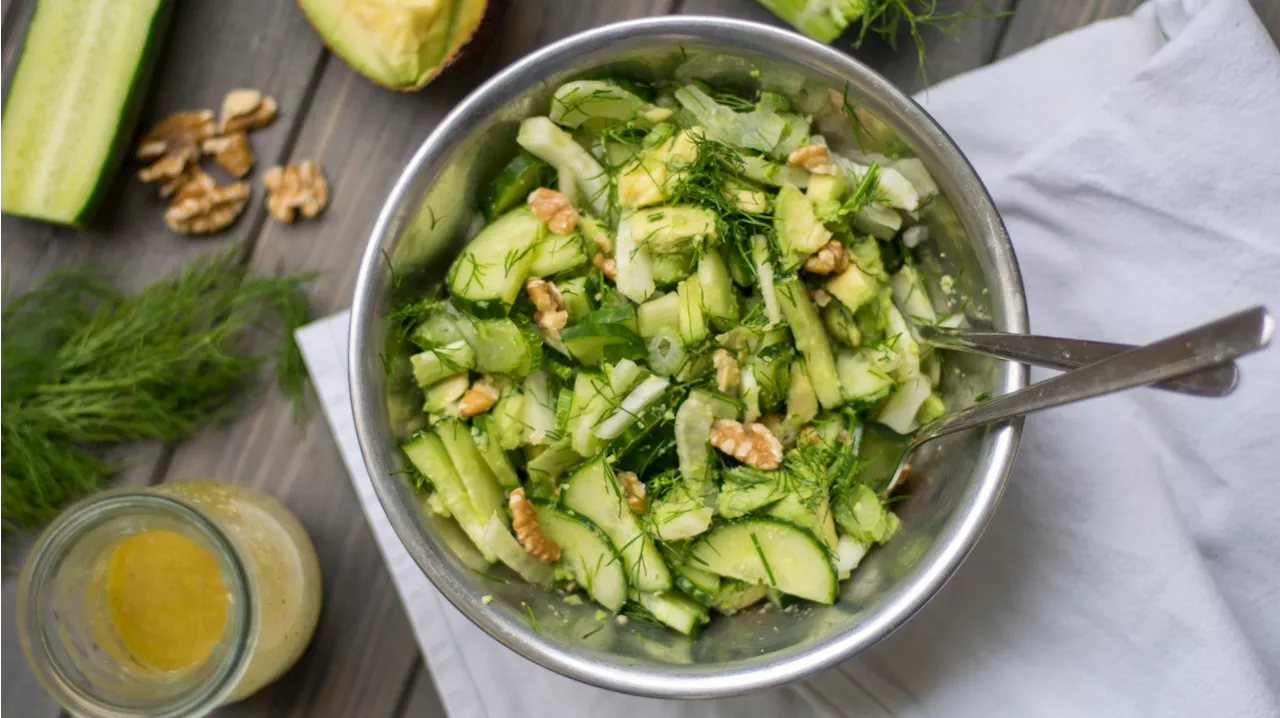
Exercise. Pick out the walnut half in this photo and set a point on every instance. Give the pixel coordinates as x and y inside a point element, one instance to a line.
<point>524,520</point>
<point>201,206</point>
<point>751,444</point>
<point>295,189</point>
<point>232,151</point>
<point>173,144</point>
<point>246,109</point>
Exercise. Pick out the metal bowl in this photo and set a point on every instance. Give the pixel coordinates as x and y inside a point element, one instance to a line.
<point>956,481</point>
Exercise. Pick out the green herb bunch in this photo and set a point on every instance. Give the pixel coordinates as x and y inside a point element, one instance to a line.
<point>85,366</point>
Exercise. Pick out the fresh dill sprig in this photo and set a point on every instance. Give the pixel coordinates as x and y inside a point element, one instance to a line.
<point>85,366</point>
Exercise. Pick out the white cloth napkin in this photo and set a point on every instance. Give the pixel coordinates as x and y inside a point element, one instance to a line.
<point>1133,567</point>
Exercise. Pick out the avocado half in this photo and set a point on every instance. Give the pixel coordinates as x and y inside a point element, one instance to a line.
<point>399,44</point>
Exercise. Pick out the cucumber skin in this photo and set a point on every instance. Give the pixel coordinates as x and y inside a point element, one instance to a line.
<point>129,115</point>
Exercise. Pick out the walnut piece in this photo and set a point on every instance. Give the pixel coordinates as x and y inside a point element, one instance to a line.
<point>524,520</point>
<point>815,158</point>
<point>478,399</point>
<point>246,109</point>
<point>554,209</point>
<point>296,188</point>
<point>607,265</point>
<point>233,152</point>
<point>727,373</point>
<point>201,206</point>
<point>548,301</point>
<point>633,488</point>
<point>751,444</point>
<point>829,259</point>
<point>173,144</point>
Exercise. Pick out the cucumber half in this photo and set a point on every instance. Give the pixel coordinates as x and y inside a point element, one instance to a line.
<point>74,102</point>
<point>586,552</point>
<point>769,551</point>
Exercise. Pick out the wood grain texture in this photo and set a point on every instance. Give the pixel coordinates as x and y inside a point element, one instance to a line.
<point>965,45</point>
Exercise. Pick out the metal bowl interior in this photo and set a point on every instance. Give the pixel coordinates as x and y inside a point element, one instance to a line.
<point>956,481</point>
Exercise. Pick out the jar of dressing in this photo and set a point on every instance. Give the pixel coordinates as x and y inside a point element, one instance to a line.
<point>168,601</point>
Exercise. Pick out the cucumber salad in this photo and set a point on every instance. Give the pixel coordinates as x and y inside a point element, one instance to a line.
<point>657,374</point>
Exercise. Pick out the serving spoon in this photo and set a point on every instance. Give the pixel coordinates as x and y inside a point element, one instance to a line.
<point>1068,354</point>
<point>1191,351</point>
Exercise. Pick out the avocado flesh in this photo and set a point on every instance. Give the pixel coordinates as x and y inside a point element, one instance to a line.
<point>400,44</point>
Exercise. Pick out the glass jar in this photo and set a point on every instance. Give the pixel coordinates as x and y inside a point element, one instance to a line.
<point>168,601</point>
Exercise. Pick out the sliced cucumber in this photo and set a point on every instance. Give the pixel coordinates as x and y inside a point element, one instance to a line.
<point>428,455</point>
<point>593,492</point>
<point>592,399</point>
<point>672,267</point>
<point>434,365</point>
<point>849,553</point>
<point>546,468</point>
<point>862,378</point>
<point>482,486</point>
<point>539,415</point>
<point>502,348</point>
<point>735,595</point>
<point>772,552</point>
<point>511,553</point>
<point>586,552</point>
<point>635,266</point>
<point>808,507</point>
<point>676,610</point>
<point>667,354</point>
<point>442,397</point>
<point>680,514</point>
<point>592,343</point>
<point>746,489</point>
<point>73,103</point>
<point>522,175</point>
<point>701,585</point>
<point>558,253</point>
<point>578,301</point>
<point>554,146</point>
<point>594,103</point>
<point>489,274</point>
<point>692,321</point>
<point>658,314</point>
<point>494,455</point>
<point>863,516</point>
<point>693,430</point>
<point>718,293</point>
<point>811,340</point>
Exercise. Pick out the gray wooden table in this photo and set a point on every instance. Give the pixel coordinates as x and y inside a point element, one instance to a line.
<point>363,661</point>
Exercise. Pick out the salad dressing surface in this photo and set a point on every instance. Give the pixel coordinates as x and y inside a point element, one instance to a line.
<point>166,600</point>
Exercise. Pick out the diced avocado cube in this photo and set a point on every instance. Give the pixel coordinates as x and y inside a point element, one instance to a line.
<point>672,228</point>
<point>799,231</point>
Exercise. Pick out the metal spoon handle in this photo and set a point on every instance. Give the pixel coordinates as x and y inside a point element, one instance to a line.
<point>1205,346</point>
<point>1069,354</point>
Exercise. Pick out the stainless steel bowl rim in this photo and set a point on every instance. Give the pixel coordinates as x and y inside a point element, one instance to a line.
<point>942,560</point>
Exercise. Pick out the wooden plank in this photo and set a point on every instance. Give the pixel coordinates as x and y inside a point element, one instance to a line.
<point>1038,20</point>
<point>361,134</point>
<point>421,699</point>
<point>967,45</point>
